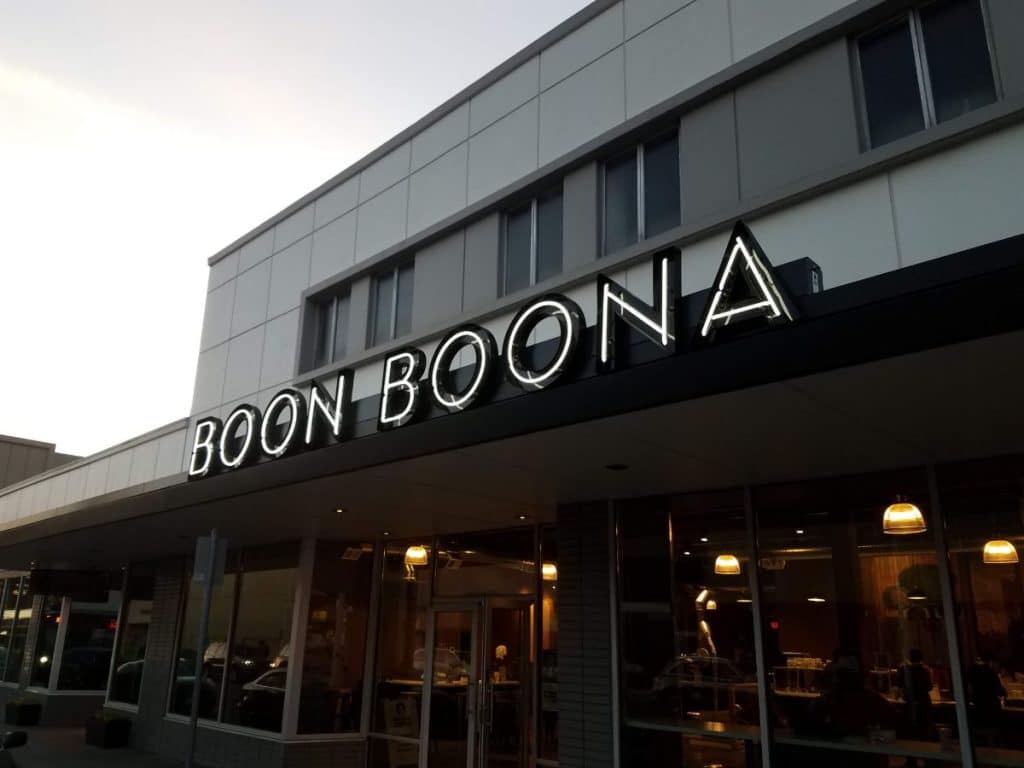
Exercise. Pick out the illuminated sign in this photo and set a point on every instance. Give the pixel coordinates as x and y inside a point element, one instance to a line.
<point>745,291</point>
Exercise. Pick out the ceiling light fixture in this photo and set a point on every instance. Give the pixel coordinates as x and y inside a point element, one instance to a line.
<point>903,518</point>
<point>549,571</point>
<point>711,605</point>
<point>727,565</point>
<point>917,595</point>
<point>815,599</point>
<point>999,552</point>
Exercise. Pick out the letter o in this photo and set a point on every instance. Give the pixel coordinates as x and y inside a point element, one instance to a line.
<point>440,366</point>
<point>250,415</point>
<point>293,401</point>
<point>570,321</point>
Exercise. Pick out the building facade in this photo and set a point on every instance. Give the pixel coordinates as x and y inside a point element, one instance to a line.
<point>653,401</point>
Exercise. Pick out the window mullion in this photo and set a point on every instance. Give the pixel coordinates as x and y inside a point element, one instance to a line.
<point>641,203</point>
<point>921,62</point>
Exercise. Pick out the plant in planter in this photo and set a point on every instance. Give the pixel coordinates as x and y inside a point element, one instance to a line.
<point>108,730</point>
<point>22,710</point>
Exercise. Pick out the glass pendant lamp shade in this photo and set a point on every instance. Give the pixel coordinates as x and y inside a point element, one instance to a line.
<point>416,555</point>
<point>712,605</point>
<point>902,518</point>
<point>549,572</point>
<point>999,552</point>
<point>727,565</point>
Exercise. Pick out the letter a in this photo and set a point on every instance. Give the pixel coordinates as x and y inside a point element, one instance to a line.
<point>745,288</point>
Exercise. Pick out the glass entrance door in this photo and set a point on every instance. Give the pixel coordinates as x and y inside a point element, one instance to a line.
<point>481,693</point>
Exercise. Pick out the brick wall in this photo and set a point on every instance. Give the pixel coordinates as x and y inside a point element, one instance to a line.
<point>585,651</point>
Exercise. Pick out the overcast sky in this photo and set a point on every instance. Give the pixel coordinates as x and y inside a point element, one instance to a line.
<point>137,139</point>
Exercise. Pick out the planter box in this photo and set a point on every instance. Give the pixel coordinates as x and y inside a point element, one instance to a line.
<point>108,734</point>
<point>23,713</point>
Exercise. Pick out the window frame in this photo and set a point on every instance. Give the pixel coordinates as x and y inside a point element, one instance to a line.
<point>534,208</point>
<point>394,272</point>
<point>641,186</point>
<point>912,18</point>
<point>331,304</point>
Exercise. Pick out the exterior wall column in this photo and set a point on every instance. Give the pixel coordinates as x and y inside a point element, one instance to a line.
<point>586,685</point>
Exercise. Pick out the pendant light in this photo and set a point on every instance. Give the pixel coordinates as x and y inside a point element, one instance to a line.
<point>917,594</point>
<point>416,555</point>
<point>999,552</point>
<point>712,605</point>
<point>549,572</point>
<point>902,518</point>
<point>727,565</point>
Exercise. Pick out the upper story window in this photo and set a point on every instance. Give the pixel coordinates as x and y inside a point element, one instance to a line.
<point>641,193</point>
<point>331,341</point>
<point>533,243</point>
<point>391,308</point>
<point>930,66</point>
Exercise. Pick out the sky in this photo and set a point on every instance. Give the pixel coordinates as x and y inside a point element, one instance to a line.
<point>139,138</point>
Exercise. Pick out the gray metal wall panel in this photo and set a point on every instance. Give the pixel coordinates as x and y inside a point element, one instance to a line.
<point>1007,24</point>
<point>358,314</point>
<point>796,121</point>
<point>480,280</point>
<point>437,286</point>
<point>580,217</point>
<point>585,687</point>
<point>708,159</point>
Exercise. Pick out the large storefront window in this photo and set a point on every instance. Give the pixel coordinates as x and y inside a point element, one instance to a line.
<point>133,634</point>
<point>984,508</point>
<point>46,642</point>
<point>547,743</point>
<point>260,638</point>
<point>855,636</point>
<point>401,640</point>
<point>245,660</point>
<point>221,606</point>
<point>19,603</point>
<point>89,643</point>
<point>334,657</point>
<point>688,674</point>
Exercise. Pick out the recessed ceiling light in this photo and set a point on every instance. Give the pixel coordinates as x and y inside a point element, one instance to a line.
<point>799,531</point>
<point>340,510</point>
<point>387,533</point>
<point>687,553</point>
<point>704,539</point>
<point>522,517</point>
<point>616,467</point>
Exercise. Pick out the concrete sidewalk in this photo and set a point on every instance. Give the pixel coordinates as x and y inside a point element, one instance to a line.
<point>66,748</point>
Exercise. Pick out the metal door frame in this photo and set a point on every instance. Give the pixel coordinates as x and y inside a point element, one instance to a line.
<point>478,608</point>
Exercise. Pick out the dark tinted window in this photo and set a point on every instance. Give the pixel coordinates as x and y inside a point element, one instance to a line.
<point>383,302</point>
<point>261,635</point>
<point>324,333</point>
<point>332,672</point>
<point>549,236</point>
<point>46,641</point>
<point>892,97</point>
<point>132,635</point>
<point>958,57</point>
<point>661,186</point>
<point>517,249</point>
<point>403,306</point>
<point>620,204</point>
<point>340,327</point>
<point>89,644</point>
